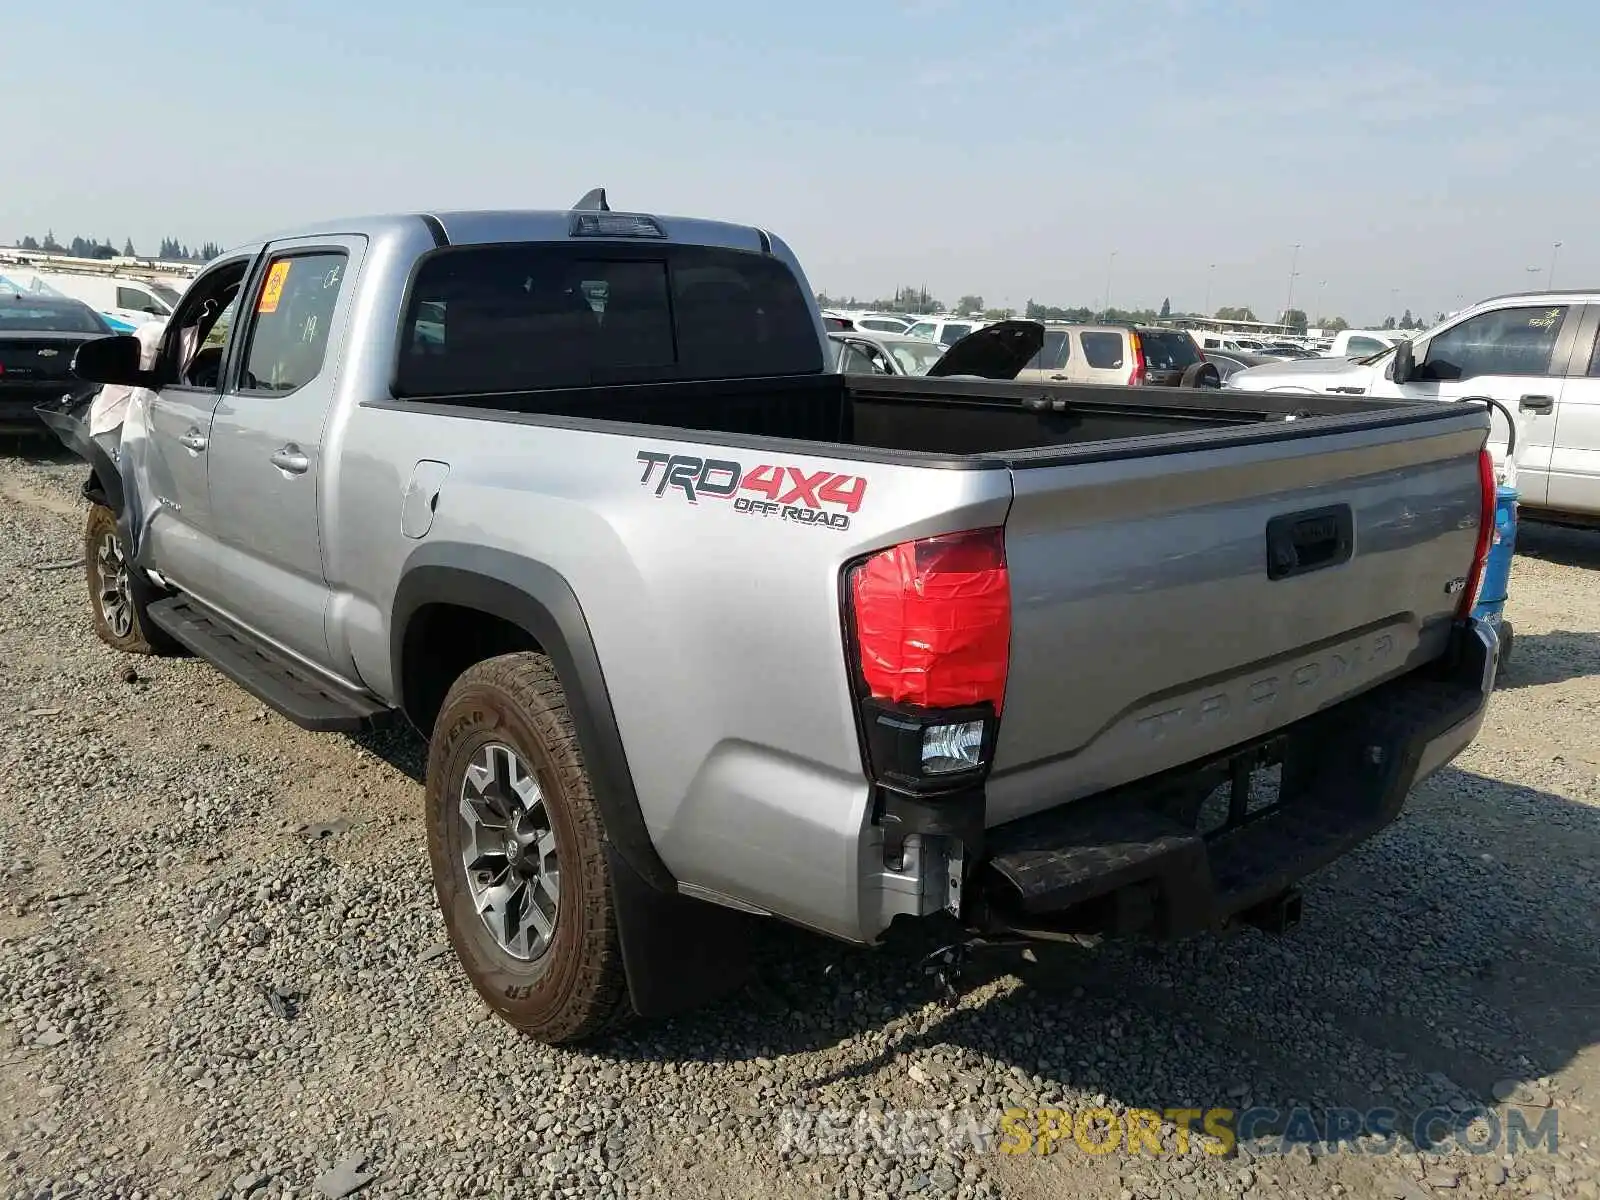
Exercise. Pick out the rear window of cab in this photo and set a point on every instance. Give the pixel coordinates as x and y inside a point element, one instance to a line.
<point>532,316</point>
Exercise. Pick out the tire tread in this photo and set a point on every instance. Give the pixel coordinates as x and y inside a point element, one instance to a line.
<point>528,681</point>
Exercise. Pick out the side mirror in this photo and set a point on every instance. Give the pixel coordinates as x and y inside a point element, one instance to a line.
<point>1405,365</point>
<point>112,360</point>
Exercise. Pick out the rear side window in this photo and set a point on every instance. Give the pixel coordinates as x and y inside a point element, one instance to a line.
<point>524,317</point>
<point>1168,351</point>
<point>1103,351</point>
<point>289,328</point>
<point>953,334</point>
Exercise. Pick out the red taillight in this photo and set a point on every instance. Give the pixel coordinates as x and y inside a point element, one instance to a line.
<point>1136,376</point>
<point>933,620</point>
<point>1486,483</point>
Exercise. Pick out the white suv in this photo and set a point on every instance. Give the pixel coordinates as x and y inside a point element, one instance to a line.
<point>947,331</point>
<point>1535,352</point>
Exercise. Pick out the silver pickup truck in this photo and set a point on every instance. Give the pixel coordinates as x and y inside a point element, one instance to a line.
<point>701,632</point>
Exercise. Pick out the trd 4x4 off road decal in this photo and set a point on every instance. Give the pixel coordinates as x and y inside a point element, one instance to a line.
<point>788,493</point>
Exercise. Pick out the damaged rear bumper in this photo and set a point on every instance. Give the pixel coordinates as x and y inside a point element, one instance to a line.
<point>1135,861</point>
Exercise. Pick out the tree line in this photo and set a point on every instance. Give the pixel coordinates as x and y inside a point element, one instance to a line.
<point>172,250</point>
<point>918,301</point>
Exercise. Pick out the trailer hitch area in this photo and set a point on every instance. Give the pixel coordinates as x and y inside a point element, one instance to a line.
<point>1277,915</point>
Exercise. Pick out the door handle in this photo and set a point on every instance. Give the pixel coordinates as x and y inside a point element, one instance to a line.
<point>290,458</point>
<point>1536,404</point>
<point>1060,378</point>
<point>194,441</point>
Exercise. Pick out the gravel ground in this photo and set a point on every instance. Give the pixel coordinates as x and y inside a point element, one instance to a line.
<point>221,972</point>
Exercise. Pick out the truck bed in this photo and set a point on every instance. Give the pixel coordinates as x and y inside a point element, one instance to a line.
<point>944,420</point>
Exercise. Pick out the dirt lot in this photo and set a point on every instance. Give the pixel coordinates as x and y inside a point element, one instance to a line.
<point>221,975</point>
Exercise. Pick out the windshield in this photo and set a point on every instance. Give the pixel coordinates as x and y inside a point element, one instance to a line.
<point>913,355</point>
<point>38,317</point>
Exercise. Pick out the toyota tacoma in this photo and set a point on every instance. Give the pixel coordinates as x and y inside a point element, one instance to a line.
<point>701,631</point>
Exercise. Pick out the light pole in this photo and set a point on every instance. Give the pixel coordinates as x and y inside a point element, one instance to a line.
<point>1289,300</point>
<point>1111,265</point>
<point>1211,273</point>
<point>1550,279</point>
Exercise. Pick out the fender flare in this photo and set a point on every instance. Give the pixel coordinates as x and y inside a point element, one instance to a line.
<point>540,601</point>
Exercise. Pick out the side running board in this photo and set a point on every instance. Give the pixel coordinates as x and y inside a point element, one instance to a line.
<point>302,696</point>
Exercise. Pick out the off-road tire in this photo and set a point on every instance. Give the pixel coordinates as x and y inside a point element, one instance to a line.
<point>141,635</point>
<point>577,988</point>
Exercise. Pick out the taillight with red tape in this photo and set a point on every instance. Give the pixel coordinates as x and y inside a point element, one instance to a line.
<point>931,630</point>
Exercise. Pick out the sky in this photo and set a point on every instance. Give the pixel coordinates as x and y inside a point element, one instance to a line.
<point>1421,153</point>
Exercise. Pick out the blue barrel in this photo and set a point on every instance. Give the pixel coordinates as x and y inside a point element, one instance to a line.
<point>1496,586</point>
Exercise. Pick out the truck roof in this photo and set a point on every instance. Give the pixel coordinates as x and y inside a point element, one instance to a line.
<point>484,226</point>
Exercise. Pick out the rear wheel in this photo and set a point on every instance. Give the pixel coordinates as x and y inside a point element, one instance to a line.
<point>519,853</point>
<point>119,595</point>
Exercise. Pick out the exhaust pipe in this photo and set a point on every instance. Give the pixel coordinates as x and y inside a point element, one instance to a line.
<point>1278,915</point>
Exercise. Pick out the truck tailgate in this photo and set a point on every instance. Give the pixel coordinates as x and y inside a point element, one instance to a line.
<point>1150,626</point>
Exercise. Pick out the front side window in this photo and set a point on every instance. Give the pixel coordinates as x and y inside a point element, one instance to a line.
<point>1508,341</point>
<point>1102,350</point>
<point>531,316</point>
<point>290,318</point>
<point>191,346</point>
<point>1360,347</point>
<point>923,329</point>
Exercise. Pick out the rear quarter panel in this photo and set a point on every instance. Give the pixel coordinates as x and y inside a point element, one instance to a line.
<point>718,628</point>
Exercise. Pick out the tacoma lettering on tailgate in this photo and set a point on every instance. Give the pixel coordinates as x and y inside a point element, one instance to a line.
<point>1252,694</point>
<point>821,498</point>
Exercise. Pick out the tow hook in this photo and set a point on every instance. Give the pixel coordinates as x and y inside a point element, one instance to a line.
<point>1277,915</point>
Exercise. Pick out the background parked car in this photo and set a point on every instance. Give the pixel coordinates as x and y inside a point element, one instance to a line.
<point>1358,343</point>
<point>1114,354</point>
<point>1228,362</point>
<point>38,335</point>
<point>947,331</point>
<point>873,322</point>
<point>858,353</point>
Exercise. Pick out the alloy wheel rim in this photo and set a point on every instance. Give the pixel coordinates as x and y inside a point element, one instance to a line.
<point>508,850</point>
<point>111,586</point>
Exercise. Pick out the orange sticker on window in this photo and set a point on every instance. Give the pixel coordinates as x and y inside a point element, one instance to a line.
<point>272,290</point>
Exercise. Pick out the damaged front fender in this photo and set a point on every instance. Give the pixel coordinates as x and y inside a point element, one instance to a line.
<point>68,419</point>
